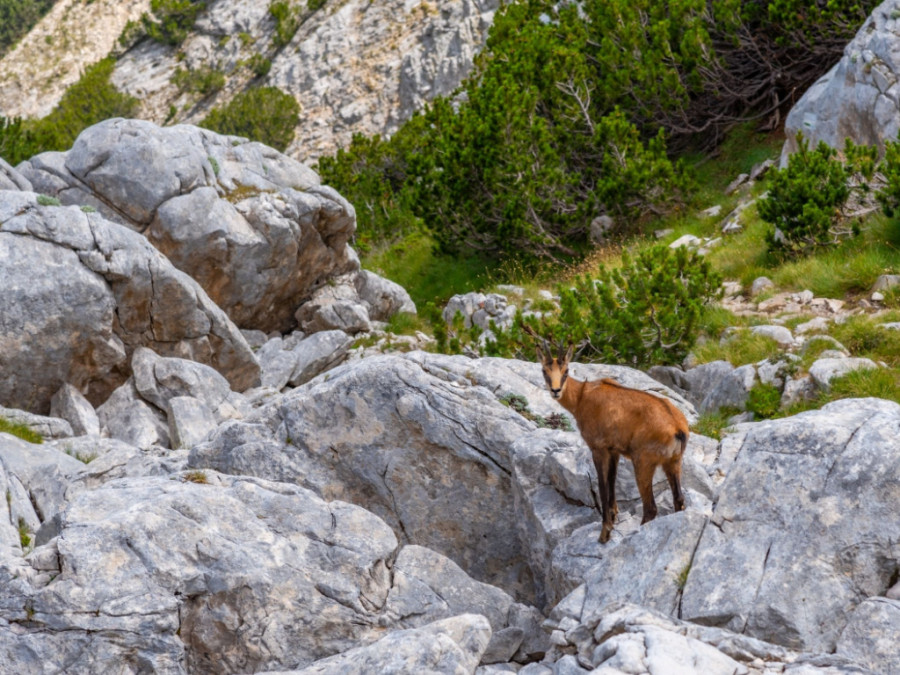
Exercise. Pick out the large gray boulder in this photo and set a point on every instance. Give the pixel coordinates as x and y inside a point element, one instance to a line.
<point>859,98</point>
<point>254,227</point>
<point>804,526</point>
<point>368,431</point>
<point>102,292</point>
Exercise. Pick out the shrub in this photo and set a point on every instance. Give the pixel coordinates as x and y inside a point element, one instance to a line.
<point>764,400</point>
<point>170,21</point>
<point>17,17</point>
<point>260,65</point>
<point>264,114</point>
<point>889,195</point>
<point>286,22</point>
<point>645,312</point>
<point>17,140</point>
<point>806,199</point>
<point>205,80</point>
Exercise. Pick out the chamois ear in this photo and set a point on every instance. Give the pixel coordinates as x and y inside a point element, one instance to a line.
<point>570,353</point>
<point>540,354</point>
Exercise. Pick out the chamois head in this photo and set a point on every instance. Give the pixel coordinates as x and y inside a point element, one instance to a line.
<point>556,369</point>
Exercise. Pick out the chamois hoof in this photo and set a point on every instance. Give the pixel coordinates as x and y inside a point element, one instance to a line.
<point>604,535</point>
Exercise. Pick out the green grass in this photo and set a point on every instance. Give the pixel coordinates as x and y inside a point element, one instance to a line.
<point>24,534</point>
<point>20,431</point>
<point>878,382</point>
<point>404,323</point>
<point>427,275</point>
<point>863,336</point>
<point>739,349</point>
<point>764,400</point>
<point>713,423</point>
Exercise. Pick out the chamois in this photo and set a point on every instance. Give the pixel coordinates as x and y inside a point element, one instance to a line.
<point>615,420</point>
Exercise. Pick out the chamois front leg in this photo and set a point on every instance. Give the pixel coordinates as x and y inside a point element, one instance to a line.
<point>673,473</point>
<point>611,480</point>
<point>601,463</point>
<point>643,473</point>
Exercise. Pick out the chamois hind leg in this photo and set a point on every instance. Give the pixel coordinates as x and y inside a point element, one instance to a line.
<point>611,481</point>
<point>601,463</point>
<point>673,473</point>
<point>643,473</point>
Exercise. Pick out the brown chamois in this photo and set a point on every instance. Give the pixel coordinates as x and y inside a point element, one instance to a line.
<point>615,420</point>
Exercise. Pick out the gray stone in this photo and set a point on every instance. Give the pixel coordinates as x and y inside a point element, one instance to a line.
<point>452,646</point>
<point>886,282</point>
<point>318,353</point>
<point>103,292</point>
<point>736,183</point>
<point>190,421</point>
<point>810,541</point>
<point>70,404</point>
<point>870,637</point>
<point>276,363</point>
<point>760,284</point>
<point>128,418</point>
<point>824,370</point>
<point>798,389</point>
<point>688,240</point>
<point>46,427</point>
<point>857,98</point>
<point>334,306</point>
<point>600,227</point>
<point>779,334</point>
<point>383,297</point>
<point>10,179</point>
<point>159,379</point>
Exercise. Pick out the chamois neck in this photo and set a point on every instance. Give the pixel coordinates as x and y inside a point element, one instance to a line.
<point>571,394</point>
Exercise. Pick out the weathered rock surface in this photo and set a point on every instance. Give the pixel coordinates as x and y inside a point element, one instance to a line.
<point>448,647</point>
<point>364,432</point>
<point>870,637</point>
<point>103,291</point>
<point>859,98</point>
<point>807,539</point>
<point>69,404</point>
<point>255,228</point>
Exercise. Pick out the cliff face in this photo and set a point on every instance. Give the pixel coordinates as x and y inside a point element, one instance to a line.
<point>73,35</point>
<point>354,67</point>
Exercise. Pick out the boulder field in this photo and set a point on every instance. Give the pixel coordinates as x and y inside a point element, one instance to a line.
<point>222,489</point>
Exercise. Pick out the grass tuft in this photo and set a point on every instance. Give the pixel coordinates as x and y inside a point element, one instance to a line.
<point>20,430</point>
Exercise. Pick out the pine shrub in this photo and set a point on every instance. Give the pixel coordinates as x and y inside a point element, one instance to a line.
<point>264,114</point>
<point>645,312</point>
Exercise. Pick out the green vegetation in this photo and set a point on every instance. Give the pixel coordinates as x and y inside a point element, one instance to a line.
<point>204,81</point>
<point>169,21</point>
<point>764,401</point>
<point>264,114</point>
<point>739,348</point>
<point>47,200</point>
<point>560,123</point>
<point>287,21</point>
<point>24,534</point>
<point>196,477</point>
<point>90,100</point>
<point>520,404</point>
<point>20,430</point>
<point>806,199</point>
<point>260,65</point>
<point>17,17</point>
<point>712,424</point>
<point>644,312</point>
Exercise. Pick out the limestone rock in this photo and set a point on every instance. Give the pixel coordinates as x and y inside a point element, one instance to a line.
<point>857,98</point>
<point>448,647</point>
<point>253,227</point>
<point>335,306</point>
<point>103,292</point>
<point>808,541</point>
<point>46,427</point>
<point>69,404</point>
<point>824,370</point>
<point>870,637</point>
<point>383,297</point>
<point>190,421</point>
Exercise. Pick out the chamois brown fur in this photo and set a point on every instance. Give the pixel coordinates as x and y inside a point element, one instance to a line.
<point>614,421</point>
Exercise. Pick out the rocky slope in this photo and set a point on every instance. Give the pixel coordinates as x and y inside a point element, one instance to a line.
<point>354,67</point>
<point>216,499</point>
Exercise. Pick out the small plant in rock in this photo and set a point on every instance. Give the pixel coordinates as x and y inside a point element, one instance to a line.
<point>24,534</point>
<point>764,400</point>
<point>87,208</point>
<point>681,580</point>
<point>286,22</point>
<point>203,81</point>
<point>20,431</point>
<point>520,404</point>
<point>196,477</point>
<point>169,21</point>
<point>713,423</point>
<point>47,200</point>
